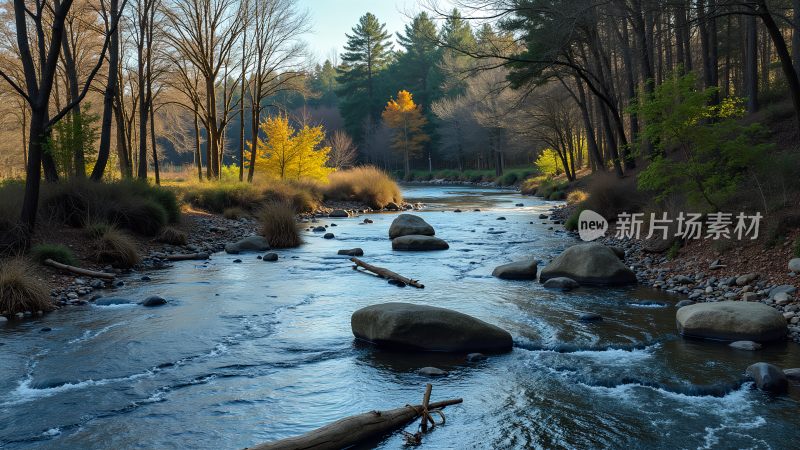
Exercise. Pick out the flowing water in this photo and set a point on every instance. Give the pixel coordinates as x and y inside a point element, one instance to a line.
<point>252,352</point>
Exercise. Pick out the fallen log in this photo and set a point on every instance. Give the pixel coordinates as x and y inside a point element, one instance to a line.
<point>78,270</point>
<point>354,429</point>
<point>386,273</point>
<point>186,257</point>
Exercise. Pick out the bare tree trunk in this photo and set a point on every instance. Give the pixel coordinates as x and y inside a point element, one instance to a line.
<point>153,144</point>
<point>71,73</point>
<point>751,63</point>
<point>784,56</point>
<point>108,99</point>
<point>197,155</point>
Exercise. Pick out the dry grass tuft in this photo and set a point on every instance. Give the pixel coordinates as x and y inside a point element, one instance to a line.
<point>366,184</point>
<point>234,213</point>
<point>576,196</point>
<point>172,236</point>
<point>20,291</point>
<point>116,248</point>
<point>278,225</point>
<point>609,196</point>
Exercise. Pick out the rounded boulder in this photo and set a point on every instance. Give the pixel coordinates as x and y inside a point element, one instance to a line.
<point>427,328</point>
<point>415,242</point>
<point>409,224</point>
<point>592,264</point>
<point>731,321</point>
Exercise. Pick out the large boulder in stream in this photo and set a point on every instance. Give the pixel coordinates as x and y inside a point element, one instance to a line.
<point>427,328</point>
<point>768,378</point>
<point>248,244</point>
<point>416,242</point>
<point>591,263</point>
<point>731,321</point>
<point>517,270</point>
<point>408,224</point>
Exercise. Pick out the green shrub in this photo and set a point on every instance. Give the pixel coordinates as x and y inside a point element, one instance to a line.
<point>138,214</point>
<point>673,250</point>
<point>56,252</point>
<point>20,290</point>
<point>278,225</point>
<point>508,179</point>
<point>96,229</point>
<point>715,149</point>
<point>572,222</point>
<point>217,196</point>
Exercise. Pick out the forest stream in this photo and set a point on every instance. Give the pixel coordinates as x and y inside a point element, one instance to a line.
<point>253,352</point>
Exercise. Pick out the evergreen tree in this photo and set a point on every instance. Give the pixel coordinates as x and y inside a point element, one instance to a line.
<point>416,66</point>
<point>323,85</point>
<point>367,54</point>
<point>456,35</point>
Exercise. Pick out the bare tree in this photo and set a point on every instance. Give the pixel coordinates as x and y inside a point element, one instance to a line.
<point>343,152</point>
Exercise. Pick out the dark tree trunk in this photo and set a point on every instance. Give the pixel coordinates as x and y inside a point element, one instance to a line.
<point>751,63</point>
<point>108,100</point>
<point>197,154</point>
<point>71,72</point>
<point>153,144</point>
<point>784,56</point>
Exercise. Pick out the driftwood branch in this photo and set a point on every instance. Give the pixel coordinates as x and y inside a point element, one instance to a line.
<point>186,257</point>
<point>354,429</point>
<point>386,273</point>
<point>78,270</point>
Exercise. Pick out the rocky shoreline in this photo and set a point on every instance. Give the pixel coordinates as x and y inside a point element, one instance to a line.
<point>717,282</point>
<point>206,233</point>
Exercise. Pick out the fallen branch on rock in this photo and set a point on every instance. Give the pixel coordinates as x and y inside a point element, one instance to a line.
<point>78,270</point>
<point>358,429</point>
<point>386,273</point>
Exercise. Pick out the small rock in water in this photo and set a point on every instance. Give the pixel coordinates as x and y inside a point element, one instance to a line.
<point>351,252</point>
<point>329,236</point>
<point>145,278</point>
<point>368,221</point>
<point>519,204</point>
<point>768,378</point>
<point>271,257</point>
<point>562,283</point>
<point>46,329</point>
<point>334,225</point>
<point>154,300</point>
<point>472,357</point>
<point>319,229</point>
<point>237,261</point>
<point>259,257</point>
<point>745,345</point>
<point>501,218</point>
<point>456,210</point>
<point>543,216</point>
<point>120,284</point>
<point>432,372</point>
<point>111,301</point>
<point>590,317</point>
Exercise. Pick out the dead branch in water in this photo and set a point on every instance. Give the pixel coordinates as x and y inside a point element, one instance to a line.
<point>386,273</point>
<point>357,429</point>
<point>78,270</point>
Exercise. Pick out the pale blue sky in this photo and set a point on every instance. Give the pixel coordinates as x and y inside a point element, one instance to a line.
<point>331,19</point>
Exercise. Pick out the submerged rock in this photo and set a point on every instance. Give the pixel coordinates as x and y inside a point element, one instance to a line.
<point>111,301</point>
<point>248,244</point>
<point>351,252</point>
<point>591,263</point>
<point>768,378</point>
<point>329,236</point>
<point>518,270</point>
<point>563,283</point>
<point>154,300</point>
<point>590,317</point>
<point>409,224</point>
<point>427,328</point>
<point>319,229</point>
<point>472,357</point>
<point>415,242</point>
<point>731,321</point>
<point>432,372</point>
<point>745,345</point>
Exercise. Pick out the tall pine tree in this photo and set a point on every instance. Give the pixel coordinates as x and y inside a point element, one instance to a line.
<point>367,54</point>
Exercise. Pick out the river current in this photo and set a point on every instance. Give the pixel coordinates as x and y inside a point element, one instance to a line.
<point>257,351</point>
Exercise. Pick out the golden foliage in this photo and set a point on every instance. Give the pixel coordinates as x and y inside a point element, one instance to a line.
<point>405,118</point>
<point>292,154</point>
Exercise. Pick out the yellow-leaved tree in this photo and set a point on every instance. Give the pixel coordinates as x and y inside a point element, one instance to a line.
<point>406,121</point>
<point>291,154</point>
